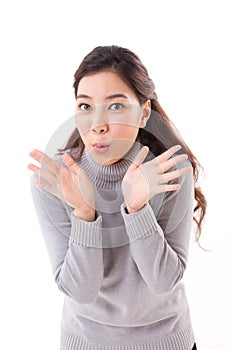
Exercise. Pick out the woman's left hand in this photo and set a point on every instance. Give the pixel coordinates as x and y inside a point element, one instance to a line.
<point>143,181</point>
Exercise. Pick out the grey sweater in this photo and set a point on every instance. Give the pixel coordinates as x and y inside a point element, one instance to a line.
<point>122,273</point>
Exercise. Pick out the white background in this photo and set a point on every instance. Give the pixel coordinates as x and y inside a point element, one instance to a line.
<point>187,48</point>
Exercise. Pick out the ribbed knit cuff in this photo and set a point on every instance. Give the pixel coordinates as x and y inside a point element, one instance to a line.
<point>86,233</point>
<point>140,224</point>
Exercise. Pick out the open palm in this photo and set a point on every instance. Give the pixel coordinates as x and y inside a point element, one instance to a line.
<point>143,181</point>
<point>69,183</point>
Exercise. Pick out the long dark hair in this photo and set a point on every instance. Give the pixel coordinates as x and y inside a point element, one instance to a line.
<point>158,136</point>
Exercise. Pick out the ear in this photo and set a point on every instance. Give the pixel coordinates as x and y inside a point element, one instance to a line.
<point>146,108</point>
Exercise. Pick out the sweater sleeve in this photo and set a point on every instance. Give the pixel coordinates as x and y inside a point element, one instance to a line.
<point>74,247</point>
<point>159,246</point>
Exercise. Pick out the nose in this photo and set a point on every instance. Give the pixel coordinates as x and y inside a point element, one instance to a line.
<point>99,120</point>
<point>100,129</point>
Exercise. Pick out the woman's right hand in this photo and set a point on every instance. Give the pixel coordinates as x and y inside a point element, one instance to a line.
<point>71,184</point>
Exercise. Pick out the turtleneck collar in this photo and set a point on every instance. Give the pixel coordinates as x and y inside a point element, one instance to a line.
<point>105,176</point>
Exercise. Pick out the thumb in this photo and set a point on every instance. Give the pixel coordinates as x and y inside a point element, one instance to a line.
<point>140,157</point>
<point>70,162</point>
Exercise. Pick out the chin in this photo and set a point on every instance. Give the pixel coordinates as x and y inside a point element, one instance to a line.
<point>112,161</point>
<point>107,161</point>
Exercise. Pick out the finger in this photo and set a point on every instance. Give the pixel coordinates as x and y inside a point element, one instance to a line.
<point>49,177</point>
<point>172,162</point>
<point>168,188</point>
<point>45,161</point>
<point>70,162</point>
<point>38,155</point>
<point>173,174</point>
<point>140,157</point>
<point>44,185</point>
<point>34,168</point>
<point>167,154</point>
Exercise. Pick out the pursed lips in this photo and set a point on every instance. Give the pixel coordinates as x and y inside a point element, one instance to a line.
<point>100,147</point>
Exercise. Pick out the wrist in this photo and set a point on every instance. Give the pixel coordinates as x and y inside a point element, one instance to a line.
<point>88,215</point>
<point>132,210</point>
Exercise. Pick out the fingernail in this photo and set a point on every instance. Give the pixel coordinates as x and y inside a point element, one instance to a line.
<point>35,151</point>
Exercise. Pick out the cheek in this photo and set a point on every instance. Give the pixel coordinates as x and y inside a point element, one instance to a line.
<point>86,139</point>
<point>124,131</point>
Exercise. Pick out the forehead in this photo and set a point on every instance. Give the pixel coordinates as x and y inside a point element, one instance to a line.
<point>103,83</point>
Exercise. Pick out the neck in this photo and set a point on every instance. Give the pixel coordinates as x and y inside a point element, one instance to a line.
<point>106,176</point>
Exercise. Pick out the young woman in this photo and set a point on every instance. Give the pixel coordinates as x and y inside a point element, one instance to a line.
<point>116,208</point>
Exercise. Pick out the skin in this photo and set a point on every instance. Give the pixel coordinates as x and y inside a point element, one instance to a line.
<point>101,89</point>
<point>142,180</point>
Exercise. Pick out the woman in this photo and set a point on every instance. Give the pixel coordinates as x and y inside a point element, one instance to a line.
<point>116,208</point>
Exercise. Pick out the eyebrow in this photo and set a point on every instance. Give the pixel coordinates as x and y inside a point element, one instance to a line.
<point>110,97</point>
<point>115,96</point>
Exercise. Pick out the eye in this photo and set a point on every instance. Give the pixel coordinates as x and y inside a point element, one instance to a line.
<point>84,107</point>
<point>116,106</point>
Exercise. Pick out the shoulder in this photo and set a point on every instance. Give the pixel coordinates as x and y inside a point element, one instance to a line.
<point>186,181</point>
<point>176,202</point>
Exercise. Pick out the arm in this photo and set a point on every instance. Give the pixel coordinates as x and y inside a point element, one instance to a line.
<point>74,247</point>
<point>160,246</point>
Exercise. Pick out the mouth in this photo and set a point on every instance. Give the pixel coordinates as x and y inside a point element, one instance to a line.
<point>100,147</point>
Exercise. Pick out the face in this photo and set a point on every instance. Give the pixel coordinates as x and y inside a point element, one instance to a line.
<point>108,116</point>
